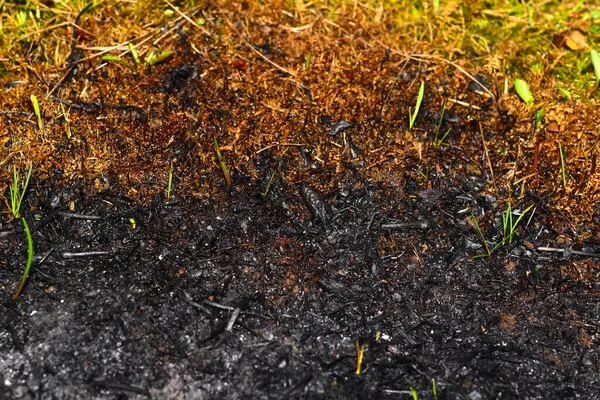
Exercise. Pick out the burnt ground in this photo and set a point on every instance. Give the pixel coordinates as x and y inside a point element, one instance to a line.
<point>343,230</point>
<point>138,322</point>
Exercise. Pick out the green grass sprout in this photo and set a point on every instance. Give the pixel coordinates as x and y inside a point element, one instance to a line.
<point>413,117</point>
<point>538,117</point>
<point>222,163</point>
<point>436,142</point>
<point>564,92</point>
<point>170,182</point>
<point>117,60</point>
<point>17,191</point>
<point>38,114</point>
<point>269,184</point>
<point>485,244</point>
<point>414,394</point>
<point>596,63</point>
<point>67,122</point>
<point>440,142</point>
<point>512,225</point>
<point>434,388</point>
<point>509,227</point>
<point>134,54</point>
<point>154,57</point>
<point>359,357</point>
<point>562,165</point>
<point>17,194</point>
<point>29,260</point>
<point>523,91</point>
<point>307,62</point>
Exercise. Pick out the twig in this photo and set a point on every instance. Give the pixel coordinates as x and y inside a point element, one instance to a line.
<point>568,251</point>
<point>280,144</point>
<point>79,216</point>
<point>120,386</point>
<point>232,319</point>
<point>407,225</point>
<point>186,297</point>
<point>68,254</point>
<point>217,305</point>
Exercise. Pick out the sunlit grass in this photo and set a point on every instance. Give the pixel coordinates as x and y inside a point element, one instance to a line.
<point>415,112</point>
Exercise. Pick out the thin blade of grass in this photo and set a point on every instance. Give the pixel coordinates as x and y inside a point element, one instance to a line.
<point>562,165</point>
<point>170,182</point>
<point>222,163</point>
<point>487,249</point>
<point>596,63</point>
<point>36,109</point>
<point>117,60</point>
<point>413,116</point>
<point>29,260</point>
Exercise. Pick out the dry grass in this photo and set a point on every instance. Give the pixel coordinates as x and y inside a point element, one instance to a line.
<point>260,76</point>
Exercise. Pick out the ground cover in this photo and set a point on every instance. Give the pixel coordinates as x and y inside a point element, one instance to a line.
<point>299,200</point>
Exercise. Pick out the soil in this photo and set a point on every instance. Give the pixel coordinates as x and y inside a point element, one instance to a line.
<point>343,262</point>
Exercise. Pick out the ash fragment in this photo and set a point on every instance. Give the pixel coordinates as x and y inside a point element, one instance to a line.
<point>318,207</point>
<point>339,126</point>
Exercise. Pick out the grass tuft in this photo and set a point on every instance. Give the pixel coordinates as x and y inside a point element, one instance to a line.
<point>17,194</point>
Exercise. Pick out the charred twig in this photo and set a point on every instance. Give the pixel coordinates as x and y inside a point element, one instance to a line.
<point>217,305</point>
<point>120,386</point>
<point>11,112</point>
<point>232,319</point>
<point>69,254</point>
<point>79,216</point>
<point>186,297</point>
<point>45,256</point>
<point>567,252</point>
<point>83,106</point>
<point>95,107</point>
<point>234,316</point>
<point>423,224</point>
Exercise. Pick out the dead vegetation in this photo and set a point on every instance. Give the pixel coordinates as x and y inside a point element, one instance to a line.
<point>269,81</point>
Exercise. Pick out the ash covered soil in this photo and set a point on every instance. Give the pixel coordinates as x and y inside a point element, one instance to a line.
<point>247,296</point>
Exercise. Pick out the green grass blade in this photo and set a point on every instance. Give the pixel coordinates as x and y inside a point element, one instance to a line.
<point>17,192</point>
<point>29,260</point>
<point>222,163</point>
<point>154,57</point>
<point>414,394</point>
<point>487,248</point>
<point>596,63</point>
<point>117,60</point>
<point>134,53</point>
<point>562,165</point>
<point>25,185</point>
<point>514,227</point>
<point>413,116</point>
<point>38,114</point>
<point>264,194</point>
<point>170,182</point>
